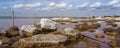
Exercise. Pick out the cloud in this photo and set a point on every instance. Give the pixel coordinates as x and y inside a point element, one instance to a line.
<point>54,6</point>
<point>96,5</point>
<point>34,5</point>
<point>113,2</point>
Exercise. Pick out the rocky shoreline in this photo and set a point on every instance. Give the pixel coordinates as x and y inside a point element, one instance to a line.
<point>48,34</point>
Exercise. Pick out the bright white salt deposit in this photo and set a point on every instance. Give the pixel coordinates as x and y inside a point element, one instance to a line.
<point>117,18</point>
<point>98,18</point>
<point>28,28</point>
<point>62,18</point>
<point>48,24</point>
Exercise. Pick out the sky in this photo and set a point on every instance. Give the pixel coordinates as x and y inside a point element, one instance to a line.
<point>74,8</point>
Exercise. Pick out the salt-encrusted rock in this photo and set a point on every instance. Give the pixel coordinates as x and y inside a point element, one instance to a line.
<point>12,31</point>
<point>44,40</point>
<point>29,30</point>
<point>48,24</point>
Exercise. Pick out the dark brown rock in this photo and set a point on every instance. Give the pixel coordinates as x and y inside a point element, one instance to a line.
<point>27,34</point>
<point>12,32</point>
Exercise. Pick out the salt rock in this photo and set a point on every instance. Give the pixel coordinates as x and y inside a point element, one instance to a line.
<point>45,39</point>
<point>71,31</point>
<point>48,24</point>
<point>28,28</point>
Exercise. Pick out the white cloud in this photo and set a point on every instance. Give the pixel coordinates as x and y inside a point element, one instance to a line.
<point>61,5</point>
<point>96,5</point>
<point>113,2</point>
<point>35,5</point>
<point>54,6</point>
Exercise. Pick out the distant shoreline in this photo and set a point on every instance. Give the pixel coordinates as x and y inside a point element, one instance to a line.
<point>39,17</point>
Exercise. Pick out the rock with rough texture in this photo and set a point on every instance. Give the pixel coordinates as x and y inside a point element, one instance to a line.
<point>71,31</point>
<point>72,34</point>
<point>45,40</point>
<point>12,32</point>
<point>28,28</point>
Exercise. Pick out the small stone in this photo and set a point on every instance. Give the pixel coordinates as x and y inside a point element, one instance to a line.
<point>91,30</point>
<point>99,36</point>
<point>111,37</point>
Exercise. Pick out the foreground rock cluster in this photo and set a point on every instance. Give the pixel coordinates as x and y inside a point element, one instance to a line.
<point>9,36</point>
<point>35,36</point>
